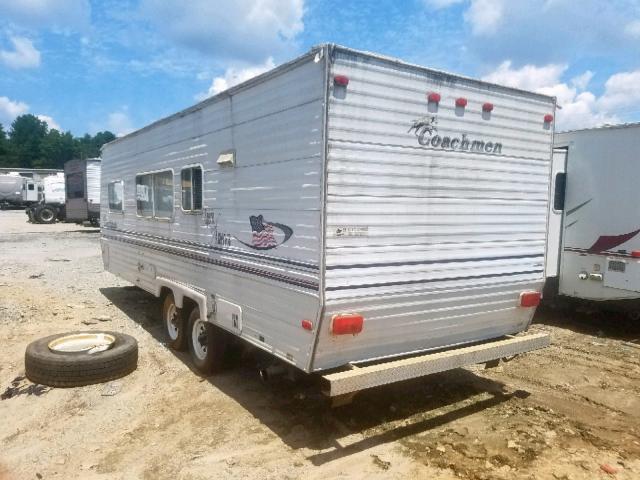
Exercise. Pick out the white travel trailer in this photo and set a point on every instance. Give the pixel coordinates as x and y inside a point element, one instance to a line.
<point>599,258</point>
<point>346,212</point>
<point>83,190</point>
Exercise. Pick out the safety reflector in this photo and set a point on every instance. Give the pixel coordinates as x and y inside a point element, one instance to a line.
<point>341,80</point>
<point>548,118</point>
<point>530,299</point>
<point>487,107</point>
<point>307,324</point>
<point>461,102</point>
<point>347,324</point>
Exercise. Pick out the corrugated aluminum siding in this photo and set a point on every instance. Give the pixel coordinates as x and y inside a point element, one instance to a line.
<point>433,246</point>
<point>274,126</point>
<point>93,182</point>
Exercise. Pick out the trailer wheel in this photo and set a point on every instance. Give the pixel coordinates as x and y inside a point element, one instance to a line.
<point>80,358</point>
<point>207,343</point>
<point>174,323</point>
<point>46,214</point>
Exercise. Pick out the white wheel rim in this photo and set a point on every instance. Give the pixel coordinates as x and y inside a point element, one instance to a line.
<point>199,339</point>
<point>83,342</point>
<point>46,215</point>
<point>171,319</point>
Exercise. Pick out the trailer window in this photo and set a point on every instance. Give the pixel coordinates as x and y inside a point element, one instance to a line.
<point>154,194</point>
<point>191,181</point>
<point>163,194</point>
<point>558,197</point>
<point>31,186</point>
<point>115,193</point>
<point>144,197</point>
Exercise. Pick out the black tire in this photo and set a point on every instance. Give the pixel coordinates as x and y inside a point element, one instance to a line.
<point>213,339</point>
<point>65,369</point>
<point>46,214</point>
<point>176,339</point>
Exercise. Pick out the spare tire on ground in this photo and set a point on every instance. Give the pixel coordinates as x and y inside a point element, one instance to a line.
<point>80,358</point>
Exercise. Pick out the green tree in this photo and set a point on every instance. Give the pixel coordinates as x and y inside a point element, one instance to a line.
<point>26,136</point>
<point>30,144</point>
<point>57,148</point>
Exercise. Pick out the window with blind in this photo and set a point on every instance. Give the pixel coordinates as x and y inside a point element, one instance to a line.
<point>191,180</point>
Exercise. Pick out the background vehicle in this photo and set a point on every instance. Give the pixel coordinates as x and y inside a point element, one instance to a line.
<point>599,259</point>
<point>83,190</point>
<point>51,206</point>
<point>344,208</point>
<point>11,190</point>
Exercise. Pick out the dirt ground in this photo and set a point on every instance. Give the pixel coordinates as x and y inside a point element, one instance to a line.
<point>570,411</point>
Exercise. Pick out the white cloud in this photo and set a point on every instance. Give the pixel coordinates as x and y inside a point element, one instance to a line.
<point>23,55</point>
<point>242,30</point>
<point>119,122</point>
<point>10,109</point>
<point>622,92</point>
<point>580,108</point>
<point>633,29</point>
<point>528,77</point>
<point>484,16</point>
<point>441,3</point>
<point>61,15</point>
<point>233,76</point>
<point>53,125</point>
<point>581,82</point>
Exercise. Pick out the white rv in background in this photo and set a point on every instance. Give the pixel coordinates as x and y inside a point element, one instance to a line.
<point>346,212</point>
<point>83,190</point>
<point>599,259</point>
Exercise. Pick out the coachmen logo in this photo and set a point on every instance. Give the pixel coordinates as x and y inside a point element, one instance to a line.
<point>426,130</point>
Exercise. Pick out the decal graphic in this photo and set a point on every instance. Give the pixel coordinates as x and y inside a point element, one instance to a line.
<point>266,235</point>
<point>607,242</point>
<point>426,130</point>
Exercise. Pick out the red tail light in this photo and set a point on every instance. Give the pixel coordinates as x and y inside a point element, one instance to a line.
<point>434,97</point>
<point>487,107</point>
<point>530,299</point>
<point>635,254</point>
<point>347,324</point>
<point>307,324</point>
<point>341,80</point>
<point>461,102</point>
<point>548,118</point>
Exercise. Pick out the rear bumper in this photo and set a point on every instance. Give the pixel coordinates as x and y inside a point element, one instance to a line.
<point>383,373</point>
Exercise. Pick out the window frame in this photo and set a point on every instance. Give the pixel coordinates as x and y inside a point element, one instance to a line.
<point>153,215</point>
<point>121,211</point>
<point>192,211</point>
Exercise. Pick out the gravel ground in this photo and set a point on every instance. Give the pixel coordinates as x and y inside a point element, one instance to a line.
<point>571,411</point>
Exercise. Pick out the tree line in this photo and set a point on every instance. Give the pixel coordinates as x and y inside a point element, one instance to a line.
<point>30,143</point>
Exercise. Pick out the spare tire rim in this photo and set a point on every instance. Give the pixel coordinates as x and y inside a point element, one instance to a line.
<point>199,339</point>
<point>82,342</point>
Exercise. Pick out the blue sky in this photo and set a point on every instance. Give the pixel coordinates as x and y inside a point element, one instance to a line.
<point>87,66</point>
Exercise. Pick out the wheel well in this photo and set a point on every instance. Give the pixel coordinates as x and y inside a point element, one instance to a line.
<point>188,305</point>
<point>163,293</point>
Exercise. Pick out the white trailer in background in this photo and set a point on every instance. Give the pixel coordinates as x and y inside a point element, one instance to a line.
<point>83,190</point>
<point>344,208</point>
<point>599,259</point>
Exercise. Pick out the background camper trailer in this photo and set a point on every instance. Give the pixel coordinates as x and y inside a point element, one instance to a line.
<point>599,259</point>
<point>342,209</point>
<point>83,190</point>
